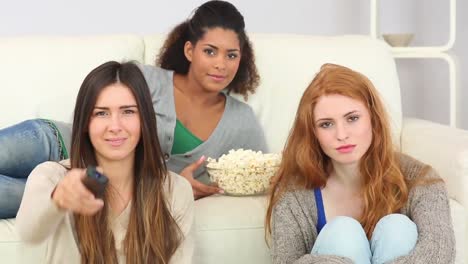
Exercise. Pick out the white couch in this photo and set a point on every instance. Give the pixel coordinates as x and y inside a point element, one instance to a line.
<point>40,77</point>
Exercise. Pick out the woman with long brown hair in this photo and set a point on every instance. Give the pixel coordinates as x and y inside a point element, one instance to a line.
<point>146,212</point>
<point>343,194</point>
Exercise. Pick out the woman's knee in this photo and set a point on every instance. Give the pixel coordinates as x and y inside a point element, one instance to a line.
<point>25,145</point>
<point>343,236</point>
<point>344,225</point>
<point>394,235</point>
<point>395,227</point>
<point>22,132</point>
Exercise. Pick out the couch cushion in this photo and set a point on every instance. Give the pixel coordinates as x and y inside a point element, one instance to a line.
<point>152,45</point>
<point>40,76</point>
<point>230,229</point>
<point>9,242</point>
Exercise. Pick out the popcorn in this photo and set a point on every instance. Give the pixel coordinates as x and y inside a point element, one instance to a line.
<point>243,172</point>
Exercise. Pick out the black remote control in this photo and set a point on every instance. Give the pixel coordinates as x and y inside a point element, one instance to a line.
<point>95,181</point>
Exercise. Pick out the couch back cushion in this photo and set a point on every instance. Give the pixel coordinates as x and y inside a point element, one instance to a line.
<point>288,63</point>
<point>41,76</point>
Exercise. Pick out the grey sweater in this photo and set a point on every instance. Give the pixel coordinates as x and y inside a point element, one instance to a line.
<point>238,127</point>
<point>295,219</point>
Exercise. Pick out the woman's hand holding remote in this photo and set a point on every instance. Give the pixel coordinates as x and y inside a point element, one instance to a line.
<point>71,194</point>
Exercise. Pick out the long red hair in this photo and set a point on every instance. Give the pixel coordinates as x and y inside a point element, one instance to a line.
<point>306,166</point>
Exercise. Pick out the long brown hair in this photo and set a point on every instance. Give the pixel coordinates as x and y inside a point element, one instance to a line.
<point>306,166</point>
<point>152,235</point>
<point>210,15</point>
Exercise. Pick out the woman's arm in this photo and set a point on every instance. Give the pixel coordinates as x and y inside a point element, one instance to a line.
<point>51,192</point>
<point>290,232</point>
<point>38,216</point>
<point>183,213</point>
<point>429,209</point>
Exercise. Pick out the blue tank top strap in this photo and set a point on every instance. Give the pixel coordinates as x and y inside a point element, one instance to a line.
<point>321,219</point>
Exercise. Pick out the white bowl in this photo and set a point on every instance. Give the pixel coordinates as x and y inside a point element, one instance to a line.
<point>243,172</point>
<point>243,181</point>
<point>398,40</point>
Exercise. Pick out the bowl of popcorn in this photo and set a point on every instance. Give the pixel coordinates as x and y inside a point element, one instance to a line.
<point>243,172</point>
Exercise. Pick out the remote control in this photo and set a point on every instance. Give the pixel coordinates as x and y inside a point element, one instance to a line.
<point>95,181</point>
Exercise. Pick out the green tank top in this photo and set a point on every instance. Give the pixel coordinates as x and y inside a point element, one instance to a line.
<point>184,140</point>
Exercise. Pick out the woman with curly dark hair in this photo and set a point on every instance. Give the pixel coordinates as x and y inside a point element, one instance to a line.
<point>203,60</point>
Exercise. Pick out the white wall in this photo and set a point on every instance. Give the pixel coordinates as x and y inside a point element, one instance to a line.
<point>424,82</point>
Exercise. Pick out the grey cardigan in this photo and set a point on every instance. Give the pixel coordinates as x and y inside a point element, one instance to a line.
<point>238,127</point>
<point>295,219</point>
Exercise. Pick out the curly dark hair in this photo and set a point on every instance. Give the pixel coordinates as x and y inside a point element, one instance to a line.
<point>210,15</point>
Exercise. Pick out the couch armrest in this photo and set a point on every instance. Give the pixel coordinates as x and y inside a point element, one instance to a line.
<point>446,150</point>
<point>442,147</point>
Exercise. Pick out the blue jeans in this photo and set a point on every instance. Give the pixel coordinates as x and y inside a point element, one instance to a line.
<point>23,147</point>
<point>394,235</point>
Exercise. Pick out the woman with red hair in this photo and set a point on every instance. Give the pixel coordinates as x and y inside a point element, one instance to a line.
<point>343,194</point>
